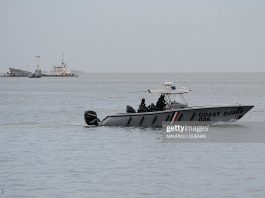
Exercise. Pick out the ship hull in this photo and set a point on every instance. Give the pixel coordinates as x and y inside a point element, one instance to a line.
<point>196,114</point>
<point>18,73</point>
<point>51,75</point>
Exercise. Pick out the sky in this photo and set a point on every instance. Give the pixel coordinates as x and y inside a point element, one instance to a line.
<point>134,35</point>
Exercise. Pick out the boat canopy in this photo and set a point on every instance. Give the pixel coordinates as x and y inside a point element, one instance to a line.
<point>170,89</point>
<point>177,91</point>
<point>171,93</point>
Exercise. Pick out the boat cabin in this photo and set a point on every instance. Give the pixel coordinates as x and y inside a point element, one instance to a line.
<point>170,97</point>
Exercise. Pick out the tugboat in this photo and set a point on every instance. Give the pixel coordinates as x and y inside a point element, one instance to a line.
<point>37,73</point>
<point>169,109</point>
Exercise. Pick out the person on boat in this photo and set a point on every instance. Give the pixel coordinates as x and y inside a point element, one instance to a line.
<point>142,107</point>
<point>161,103</point>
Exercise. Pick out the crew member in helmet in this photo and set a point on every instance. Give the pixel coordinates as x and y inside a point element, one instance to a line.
<point>161,103</point>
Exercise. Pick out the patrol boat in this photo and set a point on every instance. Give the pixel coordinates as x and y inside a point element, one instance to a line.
<point>169,109</point>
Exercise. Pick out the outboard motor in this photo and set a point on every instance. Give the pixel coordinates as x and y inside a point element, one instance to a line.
<point>91,118</point>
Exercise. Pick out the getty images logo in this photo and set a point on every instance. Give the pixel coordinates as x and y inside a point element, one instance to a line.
<point>186,128</point>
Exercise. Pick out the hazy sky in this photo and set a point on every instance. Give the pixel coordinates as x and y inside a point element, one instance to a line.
<point>134,35</point>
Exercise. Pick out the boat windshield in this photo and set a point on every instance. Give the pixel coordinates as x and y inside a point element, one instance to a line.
<point>172,95</point>
<point>175,98</point>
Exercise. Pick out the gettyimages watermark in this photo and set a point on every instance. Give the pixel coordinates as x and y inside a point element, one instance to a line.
<point>185,131</point>
<point>209,132</point>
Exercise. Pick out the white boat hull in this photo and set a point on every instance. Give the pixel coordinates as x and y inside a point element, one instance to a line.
<point>156,118</point>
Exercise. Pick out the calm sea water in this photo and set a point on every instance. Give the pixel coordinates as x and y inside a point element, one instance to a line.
<point>45,150</point>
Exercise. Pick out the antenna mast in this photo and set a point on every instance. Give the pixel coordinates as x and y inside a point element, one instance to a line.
<point>63,63</point>
<point>38,62</point>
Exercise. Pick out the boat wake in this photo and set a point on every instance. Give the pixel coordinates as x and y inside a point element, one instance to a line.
<point>43,124</point>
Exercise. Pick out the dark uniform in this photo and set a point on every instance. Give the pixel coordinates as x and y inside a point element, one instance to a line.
<point>161,103</point>
<point>142,107</point>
